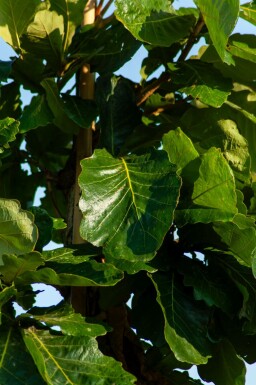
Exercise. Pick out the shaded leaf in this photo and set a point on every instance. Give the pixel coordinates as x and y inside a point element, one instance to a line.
<point>69,322</point>
<point>185,320</point>
<point>5,69</point>
<point>5,295</point>
<point>220,18</point>
<point>13,266</point>
<point>18,234</point>
<point>36,114</point>
<point>16,369</point>
<point>82,112</point>
<point>9,128</point>
<point>57,106</point>
<point>202,81</point>
<point>65,268</point>
<point>131,209</point>
<point>119,114</point>
<point>44,224</point>
<point>73,360</point>
<point>154,23</point>
<point>225,367</point>
<point>10,101</point>
<point>240,237</point>
<point>14,19</point>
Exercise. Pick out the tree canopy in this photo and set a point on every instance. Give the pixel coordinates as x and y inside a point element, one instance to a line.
<point>167,265</point>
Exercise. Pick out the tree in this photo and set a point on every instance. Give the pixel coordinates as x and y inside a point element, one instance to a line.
<point>168,197</point>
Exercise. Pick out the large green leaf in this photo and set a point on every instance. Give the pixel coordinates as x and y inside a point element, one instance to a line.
<point>36,114</point>
<point>186,321</point>
<point>154,22</point>
<point>248,12</point>
<point>225,367</point>
<point>65,268</point>
<point>119,114</point>
<point>73,360</point>
<point>16,365</point>
<point>44,38</point>
<point>208,192</point>
<point>202,81</point>
<point>69,322</point>
<point>13,266</point>
<point>128,203</point>
<point>14,18</point>
<point>8,130</point>
<point>220,17</point>
<point>18,234</point>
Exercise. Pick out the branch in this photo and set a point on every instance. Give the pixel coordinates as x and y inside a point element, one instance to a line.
<point>147,91</point>
<point>192,38</point>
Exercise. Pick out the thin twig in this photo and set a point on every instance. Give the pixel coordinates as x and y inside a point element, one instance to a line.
<point>192,38</point>
<point>104,10</point>
<point>152,87</point>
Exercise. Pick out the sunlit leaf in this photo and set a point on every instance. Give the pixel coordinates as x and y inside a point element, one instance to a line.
<point>154,22</point>
<point>220,18</point>
<point>128,203</point>
<point>14,18</point>
<point>18,234</point>
<point>73,360</point>
<point>8,131</point>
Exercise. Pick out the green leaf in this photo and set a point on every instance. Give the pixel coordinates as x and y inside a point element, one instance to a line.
<point>73,360</point>
<point>128,203</point>
<point>16,365</point>
<point>57,106</point>
<point>44,224</point>
<point>106,49</point>
<point>44,38</point>
<point>14,19</point>
<point>66,267</point>
<point>208,192</point>
<point>9,128</point>
<point>248,12</point>
<point>225,367</point>
<point>243,46</point>
<point>81,112</point>
<point>69,322</point>
<point>6,295</point>
<point>10,101</point>
<point>154,23</point>
<point>12,266</point>
<point>119,114</point>
<point>5,69</point>
<point>240,237</point>
<point>220,18</point>
<point>71,12</point>
<point>179,148</point>
<point>202,81</point>
<point>29,71</point>
<point>18,234</point>
<point>186,321</point>
<point>36,114</point>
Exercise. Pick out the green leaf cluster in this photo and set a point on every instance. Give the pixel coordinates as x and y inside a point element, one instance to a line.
<point>168,196</point>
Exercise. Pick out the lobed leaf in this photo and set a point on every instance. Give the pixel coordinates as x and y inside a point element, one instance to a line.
<point>9,128</point>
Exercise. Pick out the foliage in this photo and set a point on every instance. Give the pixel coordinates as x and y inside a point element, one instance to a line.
<point>167,198</point>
